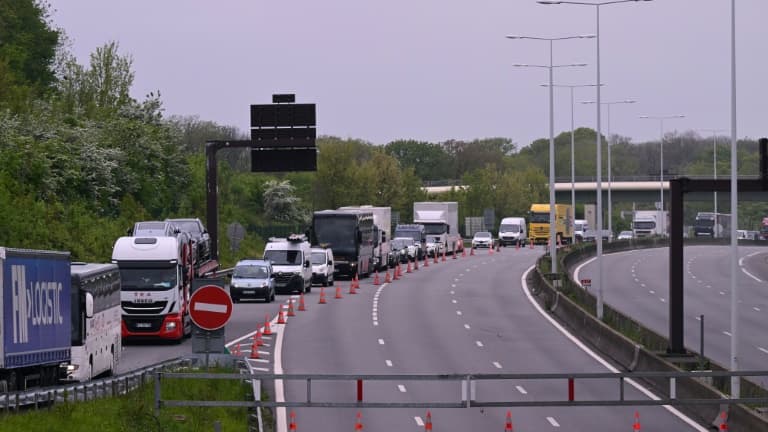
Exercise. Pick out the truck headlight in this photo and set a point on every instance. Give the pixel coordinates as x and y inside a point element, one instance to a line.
<point>171,326</point>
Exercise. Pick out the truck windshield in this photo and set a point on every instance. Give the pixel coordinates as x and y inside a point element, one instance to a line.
<point>339,233</point>
<point>644,225</point>
<point>283,257</point>
<point>540,217</point>
<point>436,228</point>
<point>509,228</point>
<point>148,279</point>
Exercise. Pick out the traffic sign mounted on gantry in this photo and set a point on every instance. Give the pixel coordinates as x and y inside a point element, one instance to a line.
<point>210,307</point>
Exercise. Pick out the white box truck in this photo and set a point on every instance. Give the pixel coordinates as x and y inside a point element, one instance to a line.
<point>382,221</point>
<point>647,223</point>
<point>441,225</point>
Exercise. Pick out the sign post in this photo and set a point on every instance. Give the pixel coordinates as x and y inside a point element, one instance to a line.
<point>586,284</point>
<point>210,307</point>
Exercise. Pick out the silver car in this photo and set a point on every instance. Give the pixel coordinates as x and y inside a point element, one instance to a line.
<point>252,279</point>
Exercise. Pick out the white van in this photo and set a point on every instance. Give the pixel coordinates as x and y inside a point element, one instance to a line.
<point>513,230</point>
<point>291,265</point>
<point>580,226</point>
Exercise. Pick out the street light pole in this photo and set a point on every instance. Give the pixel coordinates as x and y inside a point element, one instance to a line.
<point>714,160</point>
<point>598,238</point>
<point>550,67</point>
<point>610,139</point>
<point>661,158</point>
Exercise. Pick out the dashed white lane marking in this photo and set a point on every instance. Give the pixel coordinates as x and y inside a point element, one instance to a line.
<point>454,301</point>
<point>259,360</point>
<point>466,326</point>
<point>388,362</point>
<point>642,285</point>
<point>722,292</point>
<point>497,364</point>
<point>455,279</point>
<point>553,422</point>
<point>260,369</point>
<point>419,421</point>
<point>727,333</point>
<point>401,388</point>
<point>698,317</point>
<point>709,286</point>
<point>763,349</point>
<point>652,291</point>
<point>756,308</point>
<point>479,344</point>
<point>663,300</point>
<point>461,274</point>
<point>521,390</point>
<point>637,280</point>
<point>381,341</point>
<point>453,292</point>
<point>458,313</point>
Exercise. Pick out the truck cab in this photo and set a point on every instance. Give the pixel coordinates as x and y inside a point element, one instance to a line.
<point>291,263</point>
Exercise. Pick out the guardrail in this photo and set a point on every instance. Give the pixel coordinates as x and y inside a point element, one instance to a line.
<point>85,391</point>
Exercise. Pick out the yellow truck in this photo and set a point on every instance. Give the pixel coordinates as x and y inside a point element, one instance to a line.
<point>538,223</point>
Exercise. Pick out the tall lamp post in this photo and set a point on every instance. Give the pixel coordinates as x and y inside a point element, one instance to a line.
<point>714,160</point>
<point>610,140</point>
<point>573,141</point>
<point>598,238</point>
<point>550,67</point>
<point>661,158</point>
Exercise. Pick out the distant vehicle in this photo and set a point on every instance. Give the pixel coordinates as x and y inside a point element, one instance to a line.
<point>199,235</point>
<point>382,224</point>
<point>579,226</point>
<point>349,233</point>
<point>252,279</point>
<point>647,223</point>
<point>712,225</point>
<point>764,229</point>
<point>154,229</point>
<point>406,248</point>
<point>482,239</point>
<point>626,235</point>
<point>591,235</point>
<point>441,223</point>
<point>538,223</point>
<point>418,233</point>
<point>512,230</point>
<point>322,266</point>
<point>290,259</point>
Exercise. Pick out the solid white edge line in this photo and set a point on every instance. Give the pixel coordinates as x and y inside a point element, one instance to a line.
<point>599,359</point>
<point>741,265</point>
<point>282,420</point>
<point>419,421</point>
<point>553,422</point>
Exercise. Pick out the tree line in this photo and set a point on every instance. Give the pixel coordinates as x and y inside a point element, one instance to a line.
<point>82,160</point>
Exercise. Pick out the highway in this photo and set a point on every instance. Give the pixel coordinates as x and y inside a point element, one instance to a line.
<point>469,315</point>
<point>636,283</point>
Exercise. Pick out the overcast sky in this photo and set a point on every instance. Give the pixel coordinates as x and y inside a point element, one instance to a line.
<point>437,69</point>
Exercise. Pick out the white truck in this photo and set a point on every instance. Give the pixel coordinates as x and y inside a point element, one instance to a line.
<point>441,225</point>
<point>382,221</point>
<point>647,223</point>
<point>580,226</point>
<point>512,230</point>
<point>157,274</point>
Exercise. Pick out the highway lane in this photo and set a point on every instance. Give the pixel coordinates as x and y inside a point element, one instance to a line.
<point>637,284</point>
<point>463,316</point>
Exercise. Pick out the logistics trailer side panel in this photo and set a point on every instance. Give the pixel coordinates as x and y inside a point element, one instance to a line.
<point>35,305</point>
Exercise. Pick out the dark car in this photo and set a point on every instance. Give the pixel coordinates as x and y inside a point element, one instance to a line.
<point>252,279</point>
<point>199,235</point>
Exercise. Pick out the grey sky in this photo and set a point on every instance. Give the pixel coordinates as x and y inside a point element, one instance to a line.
<point>435,69</point>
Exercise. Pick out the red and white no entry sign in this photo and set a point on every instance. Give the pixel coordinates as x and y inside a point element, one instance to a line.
<point>210,307</point>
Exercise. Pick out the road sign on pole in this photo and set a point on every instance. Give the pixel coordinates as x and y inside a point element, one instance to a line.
<point>210,307</point>
<point>586,283</point>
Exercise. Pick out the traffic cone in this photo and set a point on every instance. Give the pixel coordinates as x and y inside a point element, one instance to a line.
<point>302,307</point>
<point>408,269</point>
<point>435,256</point>
<point>490,250</point>
<point>356,282</point>
<point>322,296</point>
<point>257,338</point>
<point>352,287</point>
<point>426,260</point>
<point>376,280</point>
<point>359,421</point>
<point>463,252</point>
<point>428,422</point>
<point>636,424</point>
<point>254,349</point>
<point>267,330</point>
<point>508,422</point>
<point>292,424</point>
<point>472,252</point>
<point>338,292</point>
<point>723,421</point>
<point>386,277</point>
<point>280,316</point>
<point>396,275</point>
<point>236,352</point>
<point>443,255</point>
<point>291,312</point>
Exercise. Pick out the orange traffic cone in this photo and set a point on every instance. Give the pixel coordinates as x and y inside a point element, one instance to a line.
<point>291,312</point>
<point>352,287</point>
<point>463,252</point>
<point>508,422</point>
<point>322,296</point>
<point>292,424</point>
<point>435,255</point>
<point>257,338</point>
<point>254,349</point>
<point>428,422</point>
<point>387,278</point>
<point>338,292</point>
<point>302,307</point>
<point>396,275</point>
<point>236,352</point>
<point>376,280</point>
<point>356,282</point>
<point>426,260</point>
<point>280,317</point>
<point>490,250</point>
<point>359,421</point>
<point>267,330</point>
<point>636,423</point>
<point>443,255</point>
<point>455,254</point>
<point>408,269</point>
<point>723,421</point>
